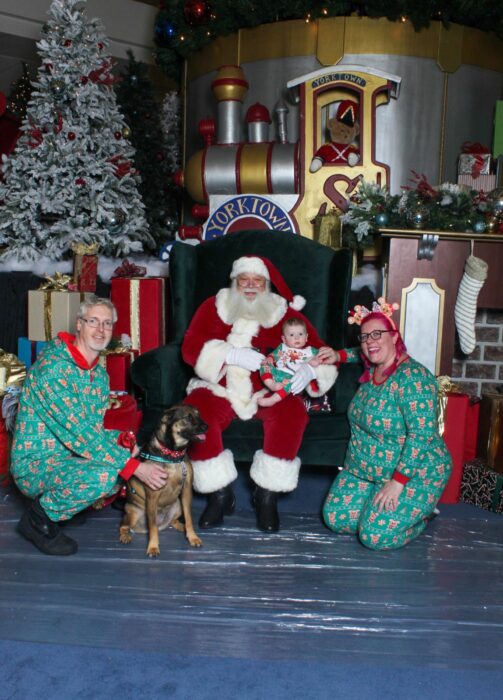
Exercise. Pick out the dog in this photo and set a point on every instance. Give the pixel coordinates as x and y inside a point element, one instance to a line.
<point>149,510</point>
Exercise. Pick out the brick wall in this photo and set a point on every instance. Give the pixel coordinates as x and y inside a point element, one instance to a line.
<point>482,371</point>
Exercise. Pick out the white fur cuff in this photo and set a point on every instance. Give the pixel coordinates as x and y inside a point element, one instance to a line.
<point>325,378</point>
<point>211,360</point>
<point>273,473</point>
<point>215,473</point>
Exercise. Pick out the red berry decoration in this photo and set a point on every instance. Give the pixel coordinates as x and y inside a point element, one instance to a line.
<point>72,136</point>
<point>197,12</point>
<point>84,80</point>
<point>118,135</point>
<point>80,181</point>
<point>101,46</point>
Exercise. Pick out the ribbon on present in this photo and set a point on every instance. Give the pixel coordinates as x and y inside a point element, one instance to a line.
<point>12,372</point>
<point>445,386</point>
<point>476,150</point>
<point>57,283</point>
<point>128,269</point>
<point>85,248</point>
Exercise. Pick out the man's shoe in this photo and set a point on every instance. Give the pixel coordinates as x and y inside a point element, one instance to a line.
<point>266,507</point>
<point>36,526</point>
<point>220,503</point>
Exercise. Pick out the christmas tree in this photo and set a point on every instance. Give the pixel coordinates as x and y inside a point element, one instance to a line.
<point>171,126</point>
<point>136,97</point>
<point>71,177</point>
<point>20,94</point>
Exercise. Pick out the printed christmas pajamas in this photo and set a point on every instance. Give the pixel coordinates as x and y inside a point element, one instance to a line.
<point>393,435</point>
<point>61,450</point>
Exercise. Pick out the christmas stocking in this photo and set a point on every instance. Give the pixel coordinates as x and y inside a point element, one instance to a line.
<point>465,309</point>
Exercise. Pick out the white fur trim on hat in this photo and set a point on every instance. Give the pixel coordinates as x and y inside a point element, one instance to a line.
<point>249,265</point>
<point>274,473</point>
<point>214,473</point>
<point>297,302</point>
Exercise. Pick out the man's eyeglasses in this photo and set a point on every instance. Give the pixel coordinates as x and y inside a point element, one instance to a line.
<point>96,323</point>
<point>374,335</point>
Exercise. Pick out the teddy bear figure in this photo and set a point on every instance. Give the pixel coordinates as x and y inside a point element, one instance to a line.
<point>343,128</point>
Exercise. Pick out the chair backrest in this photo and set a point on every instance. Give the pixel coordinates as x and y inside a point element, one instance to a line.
<point>318,273</point>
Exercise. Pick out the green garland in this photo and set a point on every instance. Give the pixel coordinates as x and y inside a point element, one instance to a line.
<point>177,38</point>
<point>447,207</point>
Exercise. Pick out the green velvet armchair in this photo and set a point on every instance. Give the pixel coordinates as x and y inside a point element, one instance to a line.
<point>318,273</point>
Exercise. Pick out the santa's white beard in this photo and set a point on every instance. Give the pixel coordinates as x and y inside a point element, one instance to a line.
<point>258,309</point>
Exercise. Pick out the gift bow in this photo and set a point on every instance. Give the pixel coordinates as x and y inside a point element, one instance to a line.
<point>476,150</point>
<point>445,386</point>
<point>12,371</point>
<point>85,248</point>
<point>128,269</point>
<point>58,283</point>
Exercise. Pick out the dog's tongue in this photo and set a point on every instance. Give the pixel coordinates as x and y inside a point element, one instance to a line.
<point>201,436</point>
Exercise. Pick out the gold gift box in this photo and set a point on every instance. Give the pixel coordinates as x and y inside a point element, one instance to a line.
<point>50,312</point>
<point>490,437</point>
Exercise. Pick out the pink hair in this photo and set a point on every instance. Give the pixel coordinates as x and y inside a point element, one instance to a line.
<point>400,348</point>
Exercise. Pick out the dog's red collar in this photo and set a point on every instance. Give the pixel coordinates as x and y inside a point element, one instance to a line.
<point>171,453</point>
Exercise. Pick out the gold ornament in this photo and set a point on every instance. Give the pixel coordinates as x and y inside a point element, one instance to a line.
<point>126,132</point>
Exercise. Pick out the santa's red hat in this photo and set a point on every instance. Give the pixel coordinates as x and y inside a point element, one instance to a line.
<point>255,265</point>
<point>347,112</point>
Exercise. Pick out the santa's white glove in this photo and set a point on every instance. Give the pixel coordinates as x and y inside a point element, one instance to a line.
<point>302,377</point>
<point>247,358</point>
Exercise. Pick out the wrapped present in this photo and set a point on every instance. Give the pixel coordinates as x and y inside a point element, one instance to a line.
<point>123,414</point>
<point>53,307</point>
<point>458,425</point>
<point>85,266</point>
<point>12,376</point>
<point>490,438</point>
<point>117,363</point>
<point>482,486</point>
<point>141,310</point>
<point>482,183</point>
<point>28,350</point>
<point>475,160</point>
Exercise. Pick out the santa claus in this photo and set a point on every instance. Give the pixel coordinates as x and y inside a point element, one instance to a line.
<point>227,340</point>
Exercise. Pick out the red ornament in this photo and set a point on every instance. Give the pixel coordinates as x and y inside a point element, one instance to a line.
<point>118,135</point>
<point>80,181</point>
<point>159,156</point>
<point>197,12</point>
<point>68,42</point>
<point>101,46</point>
<point>84,80</point>
<point>72,135</point>
<point>48,67</point>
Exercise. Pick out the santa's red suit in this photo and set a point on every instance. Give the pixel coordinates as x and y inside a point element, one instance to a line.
<point>223,392</point>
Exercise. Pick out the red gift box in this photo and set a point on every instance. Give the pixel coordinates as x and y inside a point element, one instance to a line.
<point>85,270</point>
<point>123,415</point>
<point>141,309</point>
<point>118,367</point>
<point>460,437</point>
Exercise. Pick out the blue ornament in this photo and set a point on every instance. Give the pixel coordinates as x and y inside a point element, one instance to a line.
<point>479,226</point>
<point>165,252</point>
<point>382,219</point>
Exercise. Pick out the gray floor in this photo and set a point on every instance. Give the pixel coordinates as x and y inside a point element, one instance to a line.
<point>245,595</point>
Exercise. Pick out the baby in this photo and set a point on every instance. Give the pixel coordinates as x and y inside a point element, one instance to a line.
<point>278,368</point>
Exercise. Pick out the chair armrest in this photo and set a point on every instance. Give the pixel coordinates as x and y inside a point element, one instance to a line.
<point>346,386</point>
<point>162,375</point>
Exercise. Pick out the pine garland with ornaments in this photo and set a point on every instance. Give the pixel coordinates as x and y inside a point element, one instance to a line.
<point>182,27</point>
<point>445,207</point>
<point>71,177</point>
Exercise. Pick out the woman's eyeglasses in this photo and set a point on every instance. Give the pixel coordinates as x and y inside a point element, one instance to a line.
<point>96,323</point>
<point>374,335</point>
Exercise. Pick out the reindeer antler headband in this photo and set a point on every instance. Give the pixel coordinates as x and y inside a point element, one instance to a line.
<point>381,306</point>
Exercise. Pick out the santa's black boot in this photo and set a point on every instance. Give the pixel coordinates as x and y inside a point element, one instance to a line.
<point>266,508</point>
<point>220,503</point>
<point>36,526</point>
